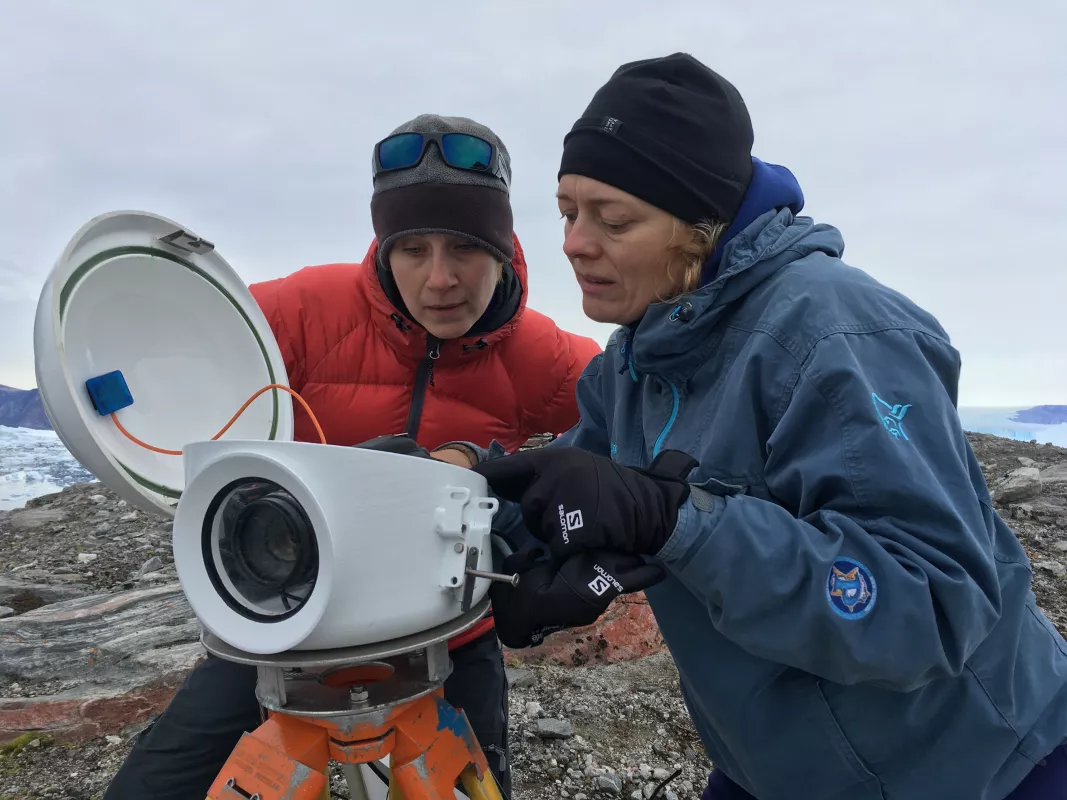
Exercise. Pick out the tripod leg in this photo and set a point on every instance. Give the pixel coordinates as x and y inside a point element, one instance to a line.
<point>282,759</point>
<point>436,748</point>
<point>484,788</point>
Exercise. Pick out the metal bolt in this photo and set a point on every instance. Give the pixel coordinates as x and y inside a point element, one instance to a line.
<point>493,576</point>
<point>357,694</point>
<point>458,547</point>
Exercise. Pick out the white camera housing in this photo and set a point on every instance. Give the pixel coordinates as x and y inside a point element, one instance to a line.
<point>138,295</point>
<point>392,534</point>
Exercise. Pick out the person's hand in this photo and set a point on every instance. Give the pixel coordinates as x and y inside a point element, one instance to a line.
<point>399,443</point>
<point>576,501</point>
<point>452,455</point>
<point>551,596</point>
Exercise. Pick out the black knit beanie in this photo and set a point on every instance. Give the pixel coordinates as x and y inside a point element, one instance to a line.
<point>669,131</point>
<point>433,197</point>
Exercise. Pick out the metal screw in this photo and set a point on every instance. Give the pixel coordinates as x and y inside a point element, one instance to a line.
<point>357,694</point>
<point>458,547</point>
<point>493,576</point>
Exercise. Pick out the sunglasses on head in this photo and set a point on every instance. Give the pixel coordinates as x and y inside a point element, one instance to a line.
<point>459,150</point>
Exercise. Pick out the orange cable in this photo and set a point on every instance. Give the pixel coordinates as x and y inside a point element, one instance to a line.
<point>233,419</point>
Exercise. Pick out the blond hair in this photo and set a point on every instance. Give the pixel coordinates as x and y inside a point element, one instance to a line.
<point>691,254</point>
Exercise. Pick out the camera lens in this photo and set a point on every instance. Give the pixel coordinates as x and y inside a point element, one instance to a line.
<point>272,541</point>
<point>261,549</point>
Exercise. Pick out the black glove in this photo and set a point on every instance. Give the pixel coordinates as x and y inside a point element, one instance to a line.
<point>575,501</point>
<point>396,443</point>
<point>552,596</point>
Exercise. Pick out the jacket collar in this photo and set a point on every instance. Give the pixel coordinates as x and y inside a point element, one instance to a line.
<point>674,339</point>
<point>410,340</point>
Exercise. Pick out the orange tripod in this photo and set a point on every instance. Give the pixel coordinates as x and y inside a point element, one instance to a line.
<point>357,706</point>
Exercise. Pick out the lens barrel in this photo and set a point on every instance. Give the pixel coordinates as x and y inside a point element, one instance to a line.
<point>261,549</point>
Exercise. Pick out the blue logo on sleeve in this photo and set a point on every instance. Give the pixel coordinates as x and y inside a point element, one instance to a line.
<point>892,416</point>
<point>850,588</point>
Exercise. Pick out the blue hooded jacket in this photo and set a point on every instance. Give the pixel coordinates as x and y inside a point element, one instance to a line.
<point>850,617</point>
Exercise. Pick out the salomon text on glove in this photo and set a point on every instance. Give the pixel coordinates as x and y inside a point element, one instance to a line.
<point>575,500</point>
<point>551,596</point>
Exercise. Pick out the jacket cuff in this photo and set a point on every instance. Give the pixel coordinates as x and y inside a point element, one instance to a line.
<point>477,454</point>
<point>696,516</point>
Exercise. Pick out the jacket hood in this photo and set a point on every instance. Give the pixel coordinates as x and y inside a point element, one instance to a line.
<point>405,335</point>
<point>771,188</point>
<point>673,339</point>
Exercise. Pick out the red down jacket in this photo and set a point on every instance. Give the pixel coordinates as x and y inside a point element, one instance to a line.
<point>366,369</point>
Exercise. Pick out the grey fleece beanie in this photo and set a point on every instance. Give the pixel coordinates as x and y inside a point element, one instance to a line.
<point>433,197</point>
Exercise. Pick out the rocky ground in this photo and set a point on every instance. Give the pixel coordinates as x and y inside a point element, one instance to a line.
<point>96,636</point>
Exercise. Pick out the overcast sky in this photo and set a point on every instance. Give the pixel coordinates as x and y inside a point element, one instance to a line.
<point>933,134</point>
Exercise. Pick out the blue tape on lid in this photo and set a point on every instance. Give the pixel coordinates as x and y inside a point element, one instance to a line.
<point>109,393</point>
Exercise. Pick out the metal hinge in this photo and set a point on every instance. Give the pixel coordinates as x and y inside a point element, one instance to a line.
<point>187,242</point>
<point>464,525</point>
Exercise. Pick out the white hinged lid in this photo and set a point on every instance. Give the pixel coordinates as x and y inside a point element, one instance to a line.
<point>139,302</point>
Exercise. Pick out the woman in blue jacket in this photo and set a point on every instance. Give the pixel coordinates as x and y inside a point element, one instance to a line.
<point>769,446</point>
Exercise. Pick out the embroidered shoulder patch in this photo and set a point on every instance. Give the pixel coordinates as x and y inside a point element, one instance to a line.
<point>892,416</point>
<point>851,589</point>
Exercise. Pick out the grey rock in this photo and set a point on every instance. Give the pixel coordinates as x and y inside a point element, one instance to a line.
<point>29,519</point>
<point>1054,567</point>
<point>1026,462</point>
<point>609,784</point>
<point>103,638</point>
<point>6,611</point>
<point>154,564</point>
<point>1018,485</point>
<point>1057,473</point>
<point>98,499</point>
<point>554,729</point>
<point>519,678</point>
<point>1047,510</point>
<point>18,594</point>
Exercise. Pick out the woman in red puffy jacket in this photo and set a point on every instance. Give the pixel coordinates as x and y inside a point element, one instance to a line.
<point>429,336</point>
